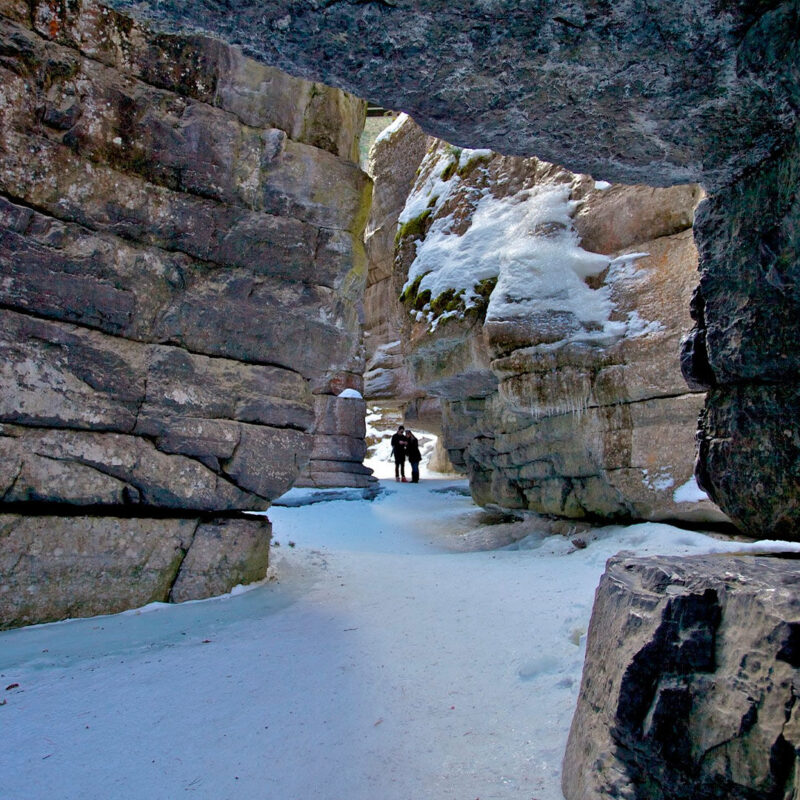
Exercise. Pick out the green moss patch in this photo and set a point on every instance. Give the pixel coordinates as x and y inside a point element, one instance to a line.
<point>414,227</point>
<point>467,168</point>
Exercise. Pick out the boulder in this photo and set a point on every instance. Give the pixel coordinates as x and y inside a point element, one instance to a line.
<point>688,690</point>
<point>53,567</point>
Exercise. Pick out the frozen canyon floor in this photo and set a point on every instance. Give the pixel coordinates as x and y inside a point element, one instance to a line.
<point>401,649</point>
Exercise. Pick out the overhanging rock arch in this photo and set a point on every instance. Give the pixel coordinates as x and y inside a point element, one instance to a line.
<point>629,92</point>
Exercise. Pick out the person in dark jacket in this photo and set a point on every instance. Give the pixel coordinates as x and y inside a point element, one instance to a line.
<point>399,452</point>
<point>413,455</point>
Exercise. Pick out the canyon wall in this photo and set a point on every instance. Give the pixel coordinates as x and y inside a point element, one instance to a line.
<point>545,311</point>
<point>629,93</point>
<point>182,271</point>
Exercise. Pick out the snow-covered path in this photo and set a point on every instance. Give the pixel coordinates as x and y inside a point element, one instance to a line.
<point>383,663</point>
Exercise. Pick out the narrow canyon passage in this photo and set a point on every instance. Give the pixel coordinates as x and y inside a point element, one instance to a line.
<point>380,662</point>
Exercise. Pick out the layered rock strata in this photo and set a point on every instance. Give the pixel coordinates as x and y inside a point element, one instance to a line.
<point>706,93</point>
<point>339,448</point>
<point>393,163</point>
<point>689,687</point>
<point>557,367</point>
<point>182,268</point>
<point>78,566</point>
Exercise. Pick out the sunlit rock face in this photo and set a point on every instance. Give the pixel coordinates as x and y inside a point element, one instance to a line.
<point>632,93</point>
<point>182,270</point>
<point>545,311</point>
<point>688,690</point>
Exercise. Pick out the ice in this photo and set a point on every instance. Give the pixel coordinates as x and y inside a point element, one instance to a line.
<point>381,662</point>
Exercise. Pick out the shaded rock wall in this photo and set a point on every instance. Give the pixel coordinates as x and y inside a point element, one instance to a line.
<point>703,92</point>
<point>393,163</point>
<point>689,687</point>
<point>182,269</point>
<point>548,408</point>
<point>339,444</point>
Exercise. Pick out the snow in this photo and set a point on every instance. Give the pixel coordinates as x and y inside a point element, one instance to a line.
<point>354,393</point>
<point>689,492</point>
<point>401,652</point>
<point>659,480</point>
<point>391,129</point>
<point>528,242</point>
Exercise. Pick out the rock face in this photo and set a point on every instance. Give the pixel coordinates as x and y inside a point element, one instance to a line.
<point>63,566</point>
<point>659,92</point>
<point>182,271</point>
<point>339,445</point>
<point>393,163</point>
<point>704,92</point>
<point>689,688</point>
<point>557,367</point>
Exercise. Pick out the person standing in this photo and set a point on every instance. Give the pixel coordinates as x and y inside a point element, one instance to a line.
<point>399,452</point>
<point>413,455</point>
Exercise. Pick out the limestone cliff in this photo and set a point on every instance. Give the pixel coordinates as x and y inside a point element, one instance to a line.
<point>545,310</point>
<point>182,270</point>
<point>393,163</point>
<point>637,93</point>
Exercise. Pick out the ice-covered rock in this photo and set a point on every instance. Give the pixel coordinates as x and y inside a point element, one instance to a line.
<point>546,314</point>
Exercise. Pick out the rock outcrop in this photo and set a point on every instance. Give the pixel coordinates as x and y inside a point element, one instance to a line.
<point>629,93</point>
<point>182,272</point>
<point>339,444</point>
<point>557,368</point>
<point>689,688</point>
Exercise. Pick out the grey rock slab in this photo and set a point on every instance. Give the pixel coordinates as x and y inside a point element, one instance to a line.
<point>204,69</point>
<point>65,376</point>
<point>85,468</point>
<point>223,554</point>
<point>665,94</point>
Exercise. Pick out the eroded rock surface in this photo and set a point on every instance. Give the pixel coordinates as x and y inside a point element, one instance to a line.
<point>393,163</point>
<point>181,276</point>
<point>557,366</point>
<point>665,93</point>
<point>339,445</point>
<point>689,687</point>
<point>77,566</point>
